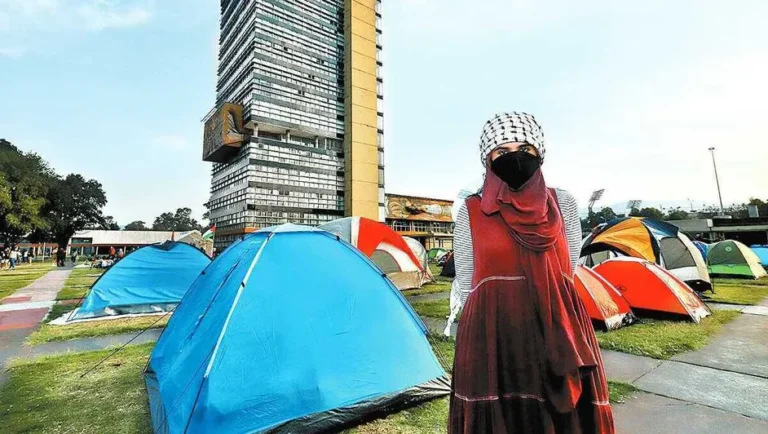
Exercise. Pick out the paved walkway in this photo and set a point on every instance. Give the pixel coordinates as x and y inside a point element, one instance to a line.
<point>22,312</point>
<point>720,388</point>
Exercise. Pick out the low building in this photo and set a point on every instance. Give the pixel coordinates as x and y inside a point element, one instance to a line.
<point>748,231</point>
<point>99,242</point>
<point>427,220</point>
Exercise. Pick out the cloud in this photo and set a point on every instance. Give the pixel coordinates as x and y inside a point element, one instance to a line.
<point>12,52</point>
<point>103,14</point>
<point>88,15</point>
<point>174,142</point>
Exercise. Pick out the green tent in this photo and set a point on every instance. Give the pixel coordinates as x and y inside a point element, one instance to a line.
<point>436,253</point>
<point>734,259</point>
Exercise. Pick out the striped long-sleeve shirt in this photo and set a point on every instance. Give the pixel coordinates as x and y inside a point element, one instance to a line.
<point>464,256</point>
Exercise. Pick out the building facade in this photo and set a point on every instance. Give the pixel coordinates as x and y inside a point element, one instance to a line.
<point>427,220</point>
<point>296,134</point>
<point>748,231</point>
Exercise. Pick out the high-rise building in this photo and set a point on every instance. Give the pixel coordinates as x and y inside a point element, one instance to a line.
<point>296,134</point>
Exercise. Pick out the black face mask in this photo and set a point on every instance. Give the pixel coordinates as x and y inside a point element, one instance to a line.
<point>516,168</point>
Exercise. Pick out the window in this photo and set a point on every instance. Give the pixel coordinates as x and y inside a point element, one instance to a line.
<point>401,226</point>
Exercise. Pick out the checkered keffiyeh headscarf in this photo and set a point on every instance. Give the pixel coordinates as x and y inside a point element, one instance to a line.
<point>511,127</point>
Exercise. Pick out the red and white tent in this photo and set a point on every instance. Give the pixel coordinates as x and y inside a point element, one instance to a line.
<point>386,248</point>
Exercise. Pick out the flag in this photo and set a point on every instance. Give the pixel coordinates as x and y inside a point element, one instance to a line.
<point>210,233</point>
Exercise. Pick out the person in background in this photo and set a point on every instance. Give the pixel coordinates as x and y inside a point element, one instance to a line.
<point>25,257</point>
<point>73,256</point>
<point>527,360</point>
<point>112,252</point>
<point>61,256</point>
<point>13,257</point>
<point>120,254</point>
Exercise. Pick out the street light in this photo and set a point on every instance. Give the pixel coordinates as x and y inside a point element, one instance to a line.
<point>717,180</point>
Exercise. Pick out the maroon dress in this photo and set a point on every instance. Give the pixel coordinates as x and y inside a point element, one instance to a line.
<point>527,359</point>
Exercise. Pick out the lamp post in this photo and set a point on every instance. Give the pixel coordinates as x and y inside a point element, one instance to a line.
<point>717,180</point>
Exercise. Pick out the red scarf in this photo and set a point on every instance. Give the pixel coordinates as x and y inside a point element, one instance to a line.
<point>533,222</point>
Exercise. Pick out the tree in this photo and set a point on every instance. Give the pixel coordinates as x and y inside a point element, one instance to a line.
<point>110,224</point>
<point>650,212</point>
<point>25,179</point>
<point>138,225</point>
<point>180,221</point>
<point>597,218</point>
<point>762,206</point>
<point>74,203</point>
<point>677,214</point>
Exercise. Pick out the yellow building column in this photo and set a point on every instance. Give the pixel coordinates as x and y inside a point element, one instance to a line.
<point>361,175</point>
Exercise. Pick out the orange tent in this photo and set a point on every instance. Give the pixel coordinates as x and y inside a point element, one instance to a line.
<point>647,286</point>
<point>603,302</point>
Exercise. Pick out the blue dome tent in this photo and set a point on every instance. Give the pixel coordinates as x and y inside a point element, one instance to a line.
<point>153,278</point>
<point>289,330</point>
<point>762,253</point>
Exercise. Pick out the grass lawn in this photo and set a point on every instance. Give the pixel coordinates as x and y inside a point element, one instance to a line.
<point>430,288</point>
<point>740,282</point>
<point>433,308</point>
<point>436,269</point>
<point>47,395</point>
<point>663,339</point>
<point>89,329</point>
<point>22,276</point>
<point>739,294</point>
<point>78,283</point>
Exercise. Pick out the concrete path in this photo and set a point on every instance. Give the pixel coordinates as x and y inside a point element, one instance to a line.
<point>26,308</point>
<point>89,344</point>
<point>720,388</point>
<point>646,413</point>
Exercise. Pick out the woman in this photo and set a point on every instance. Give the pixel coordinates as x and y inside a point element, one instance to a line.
<point>526,356</point>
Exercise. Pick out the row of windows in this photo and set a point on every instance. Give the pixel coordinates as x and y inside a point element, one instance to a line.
<point>263,192</point>
<point>312,82</point>
<point>325,33</point>
<point>326,100</point>
<point>325,143</point>
<point>283,34</point>
<point>325,161</point>
<point>299,182</point>
<point>298,117</point>
<point>321,66</point>
<point>287,26</point>
<point>316,69</point>
<point>432,227</point>
<point>300,100</point>
<point>278,155</point>
<point>326,183</point>
<point>301,203</point>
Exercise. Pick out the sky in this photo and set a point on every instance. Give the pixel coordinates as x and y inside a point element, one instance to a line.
<point>630,94</point>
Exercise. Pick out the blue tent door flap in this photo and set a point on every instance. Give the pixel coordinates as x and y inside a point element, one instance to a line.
<point>289,330</point>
